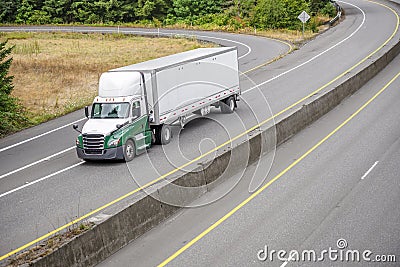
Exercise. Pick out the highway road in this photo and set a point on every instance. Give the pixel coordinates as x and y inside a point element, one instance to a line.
<point>54,187</point>
<point>346,189</point>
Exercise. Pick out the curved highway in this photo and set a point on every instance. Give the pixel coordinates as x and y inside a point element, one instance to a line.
<point>43,185</point>
<point>343,196</point>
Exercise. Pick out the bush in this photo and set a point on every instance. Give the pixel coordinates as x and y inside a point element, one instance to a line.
<point>214,19</point>
<point>278,14</point>
<point>328,10</point>
<point>39,17</point>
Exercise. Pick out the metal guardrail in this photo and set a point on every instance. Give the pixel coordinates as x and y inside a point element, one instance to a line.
<point>338,15</point>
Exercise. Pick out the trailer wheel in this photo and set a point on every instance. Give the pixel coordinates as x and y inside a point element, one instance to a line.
<point>228,105</point>
<point>129,150</point>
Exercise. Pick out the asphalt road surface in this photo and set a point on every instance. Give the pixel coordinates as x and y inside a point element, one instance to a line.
<point>43,185</point>
<point>343,196</point>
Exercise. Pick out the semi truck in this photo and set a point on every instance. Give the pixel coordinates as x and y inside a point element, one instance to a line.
<point>138,104</point>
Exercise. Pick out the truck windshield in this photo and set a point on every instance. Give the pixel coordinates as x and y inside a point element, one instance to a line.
<point>110,110</point>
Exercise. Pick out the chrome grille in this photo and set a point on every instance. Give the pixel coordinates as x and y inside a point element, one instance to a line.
<point>93,141</point>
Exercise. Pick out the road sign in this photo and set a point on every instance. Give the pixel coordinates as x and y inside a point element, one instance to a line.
<point>304,17</point>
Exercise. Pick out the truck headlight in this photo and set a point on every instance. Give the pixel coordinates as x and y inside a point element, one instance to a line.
<point>77,142</point>
<point>113,143</point>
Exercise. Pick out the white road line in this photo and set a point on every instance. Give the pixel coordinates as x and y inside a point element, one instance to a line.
<point>370,169</point>
<point>41,179</point>
<point>237,42</point>
<point>314,57</point>
<point>36,162</point>
<point>139,31</point>
<point>201,36</point>
<point>40,135</point>
<point>189,35</point>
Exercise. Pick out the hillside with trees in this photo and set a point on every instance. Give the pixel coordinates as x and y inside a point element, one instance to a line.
<point>262,14</point>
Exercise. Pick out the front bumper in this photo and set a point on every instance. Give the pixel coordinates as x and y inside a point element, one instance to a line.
<point>111,153</point>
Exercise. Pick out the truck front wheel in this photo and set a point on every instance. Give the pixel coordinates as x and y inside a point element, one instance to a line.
<point>228,105</point>
<point>129,151</point>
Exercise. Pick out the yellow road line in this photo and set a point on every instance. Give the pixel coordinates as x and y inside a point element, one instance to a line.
<point>5,256</point>
<point>247,200</point>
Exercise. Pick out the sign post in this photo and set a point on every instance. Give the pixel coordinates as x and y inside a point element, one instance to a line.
<point>304,17</point>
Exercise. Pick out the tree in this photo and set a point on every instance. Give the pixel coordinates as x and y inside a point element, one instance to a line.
<point>24,12</point>
<point>39,17</point>
<point>126,11</point>
<point>8,10</point>
<point>268,13</point>
<point>81,11</point>
<point>293,9</point>
<point>192,9</point>
<point>149,9</point>
<point>328,10</point>
<point>278,14</point>
<point>144,9</point>
<point>317,5</point>
<point>239,8</point>
<point>11,113</point>
<point>115,12</point>
<point>6,85</point>
<point>58,10</point>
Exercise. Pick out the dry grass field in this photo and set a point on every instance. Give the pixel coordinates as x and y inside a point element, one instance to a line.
<point>56,73</point>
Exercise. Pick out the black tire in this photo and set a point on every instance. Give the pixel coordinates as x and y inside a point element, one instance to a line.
<point>163,134</point>
<point>129,150</point>
<point>228,105</point>
<point>166,134</point>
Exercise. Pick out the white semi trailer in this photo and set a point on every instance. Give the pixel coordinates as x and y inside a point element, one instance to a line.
<point>137,103</point>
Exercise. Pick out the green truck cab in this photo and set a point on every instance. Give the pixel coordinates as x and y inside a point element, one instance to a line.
<point>118,128</point>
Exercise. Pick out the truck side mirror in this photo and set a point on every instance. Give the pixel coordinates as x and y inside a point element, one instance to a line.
<point>87,112</point>
<point>75,127</point>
